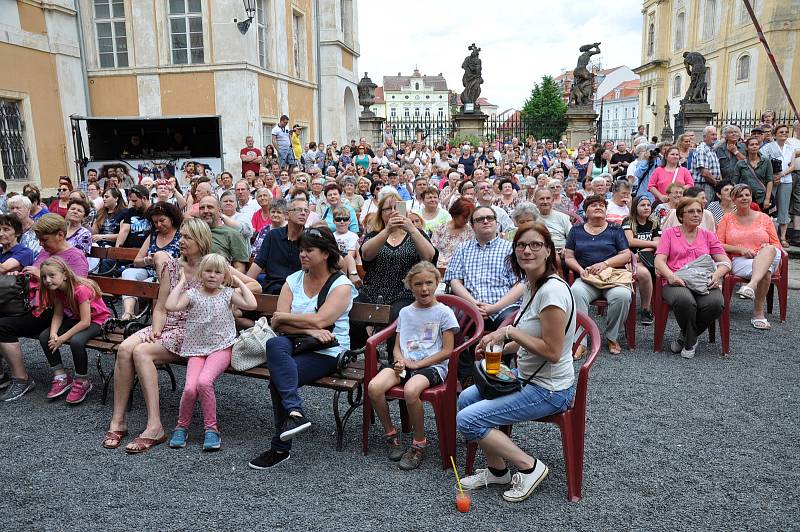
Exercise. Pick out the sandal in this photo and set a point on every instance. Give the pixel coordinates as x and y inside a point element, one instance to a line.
<point>114,437</point>
<point>614,348</point>
<point>579,353</point>
<point>746,292</point>
<point>127,317</point>
<point>140,445</point>
<point>761,324</point>
<point>785,243</point>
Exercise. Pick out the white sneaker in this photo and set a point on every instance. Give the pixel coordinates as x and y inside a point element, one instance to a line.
<point>482,478</point>
<point>522,485</point>
<point>688,352</point>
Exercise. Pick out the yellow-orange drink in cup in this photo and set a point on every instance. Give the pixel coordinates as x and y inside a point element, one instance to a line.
<point>493,356</point>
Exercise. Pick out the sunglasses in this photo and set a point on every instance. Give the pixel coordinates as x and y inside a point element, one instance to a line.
<point>341,219</point>
<point>482,219</point>
<point>63,189</point>
<point>299,180</point>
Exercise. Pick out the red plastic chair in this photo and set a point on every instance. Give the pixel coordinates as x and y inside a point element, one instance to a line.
<point>602,304</point>
<point>661,313</point>
<point>442,397</point>
<point>572,422</point>
<point>780,279</point>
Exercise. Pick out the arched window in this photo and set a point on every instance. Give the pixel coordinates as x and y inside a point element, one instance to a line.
<point>709,18</point>
<point>680,30</point>
<point>676,86</point>
<point>416,86</point>
<point>743,68</point>
<point>651,39</point>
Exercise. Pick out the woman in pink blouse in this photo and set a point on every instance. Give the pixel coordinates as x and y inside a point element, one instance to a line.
<point>671,172</point>
<point>679,246</point>
<point>751,240</point>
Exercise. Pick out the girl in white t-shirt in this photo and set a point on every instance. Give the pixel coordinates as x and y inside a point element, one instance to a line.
<point>347,240</point>
<point>426,333</point>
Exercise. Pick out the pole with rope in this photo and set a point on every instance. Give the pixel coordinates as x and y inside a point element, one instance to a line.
<point>771,56</point>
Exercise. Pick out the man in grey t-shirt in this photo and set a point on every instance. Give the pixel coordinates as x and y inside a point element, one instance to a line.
<point>282,143</point>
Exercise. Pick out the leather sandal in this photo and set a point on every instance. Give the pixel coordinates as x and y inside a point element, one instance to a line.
<point>614,347</point>
<point>579,353</point>
<point>115,437</point>
<point>140,445</point>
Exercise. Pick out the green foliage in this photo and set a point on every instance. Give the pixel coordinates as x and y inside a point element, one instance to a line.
<point>545,111</point>
<point>460,140</point>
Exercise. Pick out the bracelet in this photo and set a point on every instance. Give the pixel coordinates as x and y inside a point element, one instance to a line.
<point>505,334</point>
<point>352,273</point>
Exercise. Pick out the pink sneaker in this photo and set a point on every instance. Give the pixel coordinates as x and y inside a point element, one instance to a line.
<point>60,385</point>
<point>80,389</point>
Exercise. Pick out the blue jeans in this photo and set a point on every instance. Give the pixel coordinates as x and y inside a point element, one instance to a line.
<point>287,373</point>
<point>477,416</point>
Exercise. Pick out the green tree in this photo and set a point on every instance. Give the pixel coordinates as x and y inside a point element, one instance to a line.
<point>544,113</point>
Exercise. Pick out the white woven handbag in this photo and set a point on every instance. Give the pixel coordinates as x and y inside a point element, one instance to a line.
<point>250,347</point>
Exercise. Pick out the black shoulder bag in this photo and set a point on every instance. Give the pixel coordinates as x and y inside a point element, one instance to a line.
<point>492,387</point>
<point>305,343</point>
<point>772,211</point>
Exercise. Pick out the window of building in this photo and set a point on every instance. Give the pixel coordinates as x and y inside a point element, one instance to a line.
<point>427,113</point>
<point>262,18</point>
<point>299,44</point>
<point>186,31</point>
<point>649,95</point>
<point>416,86</point>
<point>13,153</point>
<point>709,78</point>
<point>651,39</point>
<point>112,40</point>
<point>680,30</point>
<point>394,112</point>
<point>625,112</point>
<point>634,112</point>
<point>407,112</point>
<point>743,68</point>
<point>441,112</point>
<point>709,18</point>
<point>416,112</point>
<point>676,86</point>
<point>346,14</point>
<point>743,16</point>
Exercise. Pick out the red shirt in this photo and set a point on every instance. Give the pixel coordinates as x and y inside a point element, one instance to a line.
<point>55,209</point>
<point>255,167</point>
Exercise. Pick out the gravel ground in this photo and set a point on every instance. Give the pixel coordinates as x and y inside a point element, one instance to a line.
<point>702,444</point>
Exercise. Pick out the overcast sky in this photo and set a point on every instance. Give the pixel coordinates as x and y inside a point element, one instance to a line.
<point>520,40</point>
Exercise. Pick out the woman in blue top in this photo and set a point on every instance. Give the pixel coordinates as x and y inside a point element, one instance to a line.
<point>362,159</point>
<point>298,313</point>
<point>13,255</point>
<point>590,249</point>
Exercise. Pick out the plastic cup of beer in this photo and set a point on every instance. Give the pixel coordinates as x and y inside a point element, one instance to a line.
<point>493,355</point>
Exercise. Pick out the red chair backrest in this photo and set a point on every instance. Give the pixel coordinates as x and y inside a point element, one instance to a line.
<point>585,326</point>
<point>469,318</point>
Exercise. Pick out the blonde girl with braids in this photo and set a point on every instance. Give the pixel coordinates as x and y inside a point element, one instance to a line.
<point>78,315</point>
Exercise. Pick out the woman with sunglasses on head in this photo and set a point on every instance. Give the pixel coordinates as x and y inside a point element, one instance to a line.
<point>298,313</point>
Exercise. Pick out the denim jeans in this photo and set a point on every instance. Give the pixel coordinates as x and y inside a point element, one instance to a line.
<point>477,416</point>
<point>287,373</point>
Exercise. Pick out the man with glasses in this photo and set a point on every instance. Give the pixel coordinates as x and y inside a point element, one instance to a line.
<point>484,196</point>
<point>479,273</point>
<point>279,256</point>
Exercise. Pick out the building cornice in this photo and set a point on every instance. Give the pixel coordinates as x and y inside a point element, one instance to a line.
<point>182,69</point>
<point>655,63</point>
<point>340,43</point>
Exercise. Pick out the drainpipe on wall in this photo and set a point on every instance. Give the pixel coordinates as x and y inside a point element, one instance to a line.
<point>79,22</point>
<point>319,75</point>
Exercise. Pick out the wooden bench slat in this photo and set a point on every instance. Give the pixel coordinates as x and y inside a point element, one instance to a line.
<point>101,345</point>
<point>114,253</point>
<point>361,312</point>
<point>337,383</point>
<point>125,287</point>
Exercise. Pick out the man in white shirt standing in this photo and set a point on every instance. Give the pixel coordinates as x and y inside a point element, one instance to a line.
<point>282,143</point>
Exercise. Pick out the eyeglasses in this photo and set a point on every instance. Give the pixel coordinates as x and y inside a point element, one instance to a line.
<point>63,190</point>
<point>535,246</point>
<point>299,180</point>
<point>341,219</point>
<point>482,219</point>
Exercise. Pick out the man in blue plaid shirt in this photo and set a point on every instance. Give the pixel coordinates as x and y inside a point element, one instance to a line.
<point>479,273</point>
<point>705,163</point>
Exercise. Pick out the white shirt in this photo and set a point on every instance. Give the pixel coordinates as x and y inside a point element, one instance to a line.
<point>249,209</point>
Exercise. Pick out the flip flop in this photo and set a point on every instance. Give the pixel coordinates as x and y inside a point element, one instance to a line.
<point>761,324</point>
<point>115,437</point>
<point>579,353</point>
<point>785,243</point>
<point>746,292</point>
<point>614,347</point>
<point>140,445</point>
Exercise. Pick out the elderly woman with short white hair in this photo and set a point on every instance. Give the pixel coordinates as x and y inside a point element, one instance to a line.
<point>19,207</point>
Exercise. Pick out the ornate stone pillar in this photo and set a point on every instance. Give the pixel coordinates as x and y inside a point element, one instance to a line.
<point>370,126</point>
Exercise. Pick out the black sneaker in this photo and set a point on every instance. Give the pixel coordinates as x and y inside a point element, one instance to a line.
<point>647,317</point>
<point>5,381</point>
<point>268,459</point>
<point>17,389</point>
<point>294,425</point>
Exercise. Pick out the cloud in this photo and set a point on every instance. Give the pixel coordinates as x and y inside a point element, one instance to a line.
<point>520,41</point>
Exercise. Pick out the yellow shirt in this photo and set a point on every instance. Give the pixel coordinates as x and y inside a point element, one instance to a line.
<point>297,146</point>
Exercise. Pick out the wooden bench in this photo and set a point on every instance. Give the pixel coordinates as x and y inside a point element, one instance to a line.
<point>350,380</point>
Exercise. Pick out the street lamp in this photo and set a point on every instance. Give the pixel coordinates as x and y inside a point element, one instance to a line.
<point>250,10</point>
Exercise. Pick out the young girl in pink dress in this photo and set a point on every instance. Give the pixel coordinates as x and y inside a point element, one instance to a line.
<point>210,332</point>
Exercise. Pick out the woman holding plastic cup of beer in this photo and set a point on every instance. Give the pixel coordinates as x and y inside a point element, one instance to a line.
<point>542,337</point>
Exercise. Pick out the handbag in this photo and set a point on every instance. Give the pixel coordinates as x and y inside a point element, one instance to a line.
<point>305,343</point>
<point>14,295</point>
<point>506,382</point>
<point>772,211</point>
<point>250,347</point>
<point>648,258</point>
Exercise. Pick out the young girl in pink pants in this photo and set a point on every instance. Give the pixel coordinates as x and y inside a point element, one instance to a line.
<point>210,332</point>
